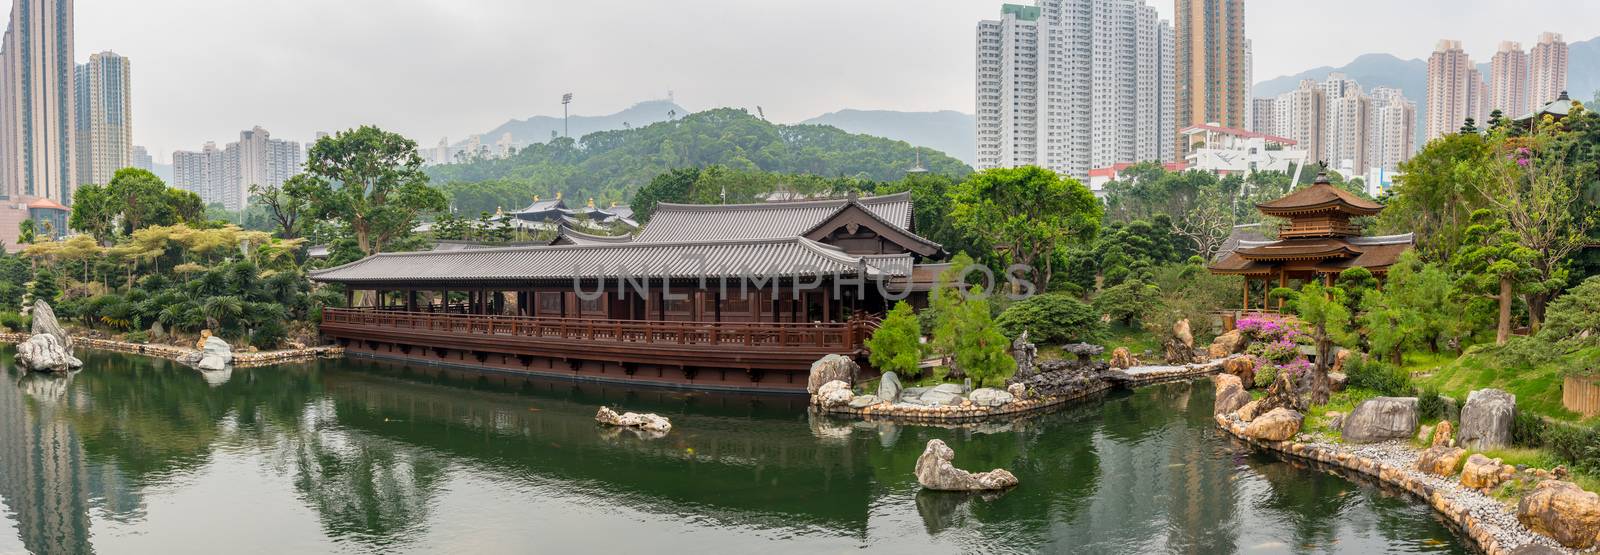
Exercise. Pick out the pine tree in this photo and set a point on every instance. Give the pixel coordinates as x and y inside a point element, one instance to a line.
<point>981,350</point>
<point>897,344</point>
<point>1492,263</point>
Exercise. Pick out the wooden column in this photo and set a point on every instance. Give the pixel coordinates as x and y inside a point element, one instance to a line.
<point>1246,305</point>
<point>411,300</point>
<point>1283,281</point>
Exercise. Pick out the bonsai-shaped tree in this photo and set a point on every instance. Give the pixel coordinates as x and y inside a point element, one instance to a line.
<point>1492,263</point>
<point>1322,308</point>
<point>896,346</point>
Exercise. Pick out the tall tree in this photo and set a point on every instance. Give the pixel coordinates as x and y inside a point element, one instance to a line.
<point>371,181</point>
<point>1493,264</point>
<point>27,231</point>
<point>1440,188</point>
<point>1029,211</point>
<point>285,203</point>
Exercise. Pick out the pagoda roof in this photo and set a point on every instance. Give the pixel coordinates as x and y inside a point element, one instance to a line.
<point>1321,196</point>
<point>1331,255</point>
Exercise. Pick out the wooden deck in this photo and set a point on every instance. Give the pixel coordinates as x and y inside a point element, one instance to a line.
<point>675,353</point>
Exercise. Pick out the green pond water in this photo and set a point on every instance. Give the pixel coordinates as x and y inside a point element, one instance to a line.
<point>134,455</point>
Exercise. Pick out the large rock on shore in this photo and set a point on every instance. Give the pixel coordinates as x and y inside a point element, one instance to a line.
<point>1231,395</point>
<point>215,355</point>
<point>935,471</point>
<point>1482,472</point>
<point>990,397</point>
<point>1564,512</point>
<point>835,394</point>
<point>1123,359</point>
<point>44,321</point>
<point>1381,418</point>
<point>1440,461</point>
<point>1443,435</point>
<point>647,422</point>
<point>1278,425</point>
<point>1226,344</point>
<point>889,387</point>
<point>1244,368</point>
<point>1486,419</point>
<point>830,368</point>
<point>44,353</point>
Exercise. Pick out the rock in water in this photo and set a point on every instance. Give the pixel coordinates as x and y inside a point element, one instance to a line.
<point>1482,472</point>
<point>1381,418</point>
<point>648,422</point>
<point>1278,425</point>
<point>935,472</point>
<point>889,386</point>
<point>1226,344</point>
<point>216,354</point>
<point>1231,395</point>
<point>830,368</point>
<point>1440,461</point>
<point>1486,419</point>
<point>44,321</point>
<point>1564,512</point>
<point>44,353</point>
<point>834,394</point>
<point>990,397</point>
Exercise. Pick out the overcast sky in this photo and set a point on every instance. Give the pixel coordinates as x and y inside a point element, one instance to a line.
<point>203,70</point>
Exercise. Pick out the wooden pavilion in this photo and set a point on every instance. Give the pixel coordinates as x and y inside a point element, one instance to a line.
<point>738,297</point>
<point>1320,241</point>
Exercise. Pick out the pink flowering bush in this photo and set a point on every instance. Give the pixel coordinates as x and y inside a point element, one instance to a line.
<point>1263,328</point>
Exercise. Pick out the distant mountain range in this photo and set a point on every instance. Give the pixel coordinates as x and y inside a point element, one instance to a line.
<point>948,131</point>
<point>540,129</point>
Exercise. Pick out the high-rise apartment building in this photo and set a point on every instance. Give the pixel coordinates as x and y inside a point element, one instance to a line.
<point>1394,129</point>
<point>1263,113</point>
<point>224,176</point>
<point>1212,65</point>
<point>1508,80</point>
<point>1300,115</point>
<point>1454,89</point>
<point>1074,84</point>
<point>1547,68</point>
<point>1347,119</point>
<point>37,102</point>
<point>142,159</point>
<point>104,119</point>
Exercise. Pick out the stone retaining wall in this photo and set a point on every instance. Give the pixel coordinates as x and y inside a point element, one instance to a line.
<point>969,413</point>
<point>172,352</point>
<point>1460,516</point>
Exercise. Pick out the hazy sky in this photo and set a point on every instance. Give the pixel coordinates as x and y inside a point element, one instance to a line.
<point>203,70</point>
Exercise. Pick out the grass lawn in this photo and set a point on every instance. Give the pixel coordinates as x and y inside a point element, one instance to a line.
<point>1538,388</point>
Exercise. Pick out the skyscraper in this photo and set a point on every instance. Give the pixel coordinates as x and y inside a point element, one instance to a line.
<point>1508,80</point>
<point>1212,66</point>
<point>1453,85</point>
<point>1073,85</point>
<point>1300,115</point>
<point>1263,115</point>
<point>1547,68</point>
<point>37,103</point>
<point>1348,116</point>
<point>142,159</point>
<point>1393,136</point>
<point>224,176</point>
<point>105,118</point>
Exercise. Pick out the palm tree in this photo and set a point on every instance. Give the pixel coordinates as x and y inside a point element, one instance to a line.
<point>222,308</point>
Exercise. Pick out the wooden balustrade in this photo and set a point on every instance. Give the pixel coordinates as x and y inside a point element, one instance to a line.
<point>835,337</point>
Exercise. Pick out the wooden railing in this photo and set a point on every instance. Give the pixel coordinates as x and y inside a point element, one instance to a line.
<point>832,337</point>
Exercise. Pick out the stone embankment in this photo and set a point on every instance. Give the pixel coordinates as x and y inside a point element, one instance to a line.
<point>172,352</point>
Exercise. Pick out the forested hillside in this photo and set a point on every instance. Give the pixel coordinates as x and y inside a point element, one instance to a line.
<point>610,165</point>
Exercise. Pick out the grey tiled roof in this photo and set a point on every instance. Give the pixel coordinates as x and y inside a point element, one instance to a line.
<point>574,237</point>
<point>784,257</point>
<point>712,222</point>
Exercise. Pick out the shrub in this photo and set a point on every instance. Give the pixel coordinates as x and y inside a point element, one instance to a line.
<point>1265,374</point>
<point>897,344</point>
<point>1051,318</point>
<point>1527,429</point>
<point>137,337</point>
<point>15,322</point>
<point>1574,312</point>
<point>1386,379</point>
<point>1280,351</point>
<point>268,334</point>
<point>1433,407</point>
<point>1127,301</point>
<point>1576,445</point>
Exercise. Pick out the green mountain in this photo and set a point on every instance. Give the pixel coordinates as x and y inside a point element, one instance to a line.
<point>947,131</point>
<point>611,165</point>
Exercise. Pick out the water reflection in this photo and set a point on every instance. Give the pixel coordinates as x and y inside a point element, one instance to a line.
<point>341,456</point>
